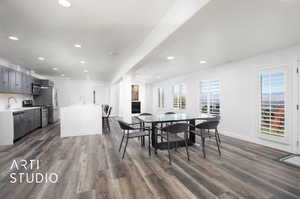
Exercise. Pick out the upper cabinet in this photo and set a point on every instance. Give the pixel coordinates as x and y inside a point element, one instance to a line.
<point>4,79</point>
<point>12,81</point>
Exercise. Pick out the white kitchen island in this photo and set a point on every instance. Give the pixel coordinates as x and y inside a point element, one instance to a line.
<point>79,120</point>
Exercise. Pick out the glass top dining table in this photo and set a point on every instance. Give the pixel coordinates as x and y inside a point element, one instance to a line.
<point>154,120</point>
<point>162,118</point>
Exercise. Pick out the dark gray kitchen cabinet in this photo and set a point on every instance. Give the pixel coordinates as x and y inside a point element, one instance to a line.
<point>23,83</point>
<point>26,121</point>
<point>37,118</point>
<point>12,81</point>
<point>19,130</point>
<point>18,82</point>
<point>29,120</point>
<point>4,79</point>
<point>29,82</point>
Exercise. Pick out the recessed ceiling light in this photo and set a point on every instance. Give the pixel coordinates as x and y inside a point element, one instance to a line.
<point>62,75</point>
<point>170,58</point>
<point>55,68</point>
<point>77,45</point>
<point>41,58</point>
<point>13,38</point>
<point>203,62</point>
<point>82,62</point>
<point>113,53</point>
<point>64,3</point>
<point>86,71</point>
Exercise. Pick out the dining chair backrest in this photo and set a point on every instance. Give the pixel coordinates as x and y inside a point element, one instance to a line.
<point>105,108</point>
<point>211,124</point>
<point>169,113</point>
<point>124,125</point>
<point>216,118</point>
<point>176,128</point>
<point>109,111</point>
<point>145,114</point>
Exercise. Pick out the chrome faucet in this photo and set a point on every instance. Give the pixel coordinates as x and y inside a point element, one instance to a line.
<point>9,101</point>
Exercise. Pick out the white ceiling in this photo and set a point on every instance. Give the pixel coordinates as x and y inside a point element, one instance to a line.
<point>221,32</point>
<point>48,30</point>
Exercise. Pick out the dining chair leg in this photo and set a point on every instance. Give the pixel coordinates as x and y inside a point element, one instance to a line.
<point>169,148</point>
<point>161,133</point>
<point>187,148</point>
<point>154,137</point>
<point>203,146</point>
<point>125,148</point>
<point>218,146</point>
<point>149,142</point>
<point>121,142</point>
<point>217,133</point>
<point>108,125</point>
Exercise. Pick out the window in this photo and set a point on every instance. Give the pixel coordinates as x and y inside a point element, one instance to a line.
<point>134,93</point>
<point>272,103</point>
<point>210,96</point>
<point>179,100</point>
<point>161,98</point>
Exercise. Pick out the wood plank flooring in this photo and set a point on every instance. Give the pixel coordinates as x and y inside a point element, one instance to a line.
<point>90,167</point>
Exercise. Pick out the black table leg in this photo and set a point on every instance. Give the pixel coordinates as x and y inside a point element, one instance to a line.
<point>153,135</point>
<point>192,139</point>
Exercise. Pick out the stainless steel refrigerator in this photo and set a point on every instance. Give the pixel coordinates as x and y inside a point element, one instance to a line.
<point>48,97</point>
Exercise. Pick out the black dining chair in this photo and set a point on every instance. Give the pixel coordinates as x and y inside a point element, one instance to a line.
<point>105,119</point>
<point>144,126</point>
<point>204,131</point>
<point>131,132</point>
<point>145,114</point>
<point>171,136</point>
<point>165,124</point>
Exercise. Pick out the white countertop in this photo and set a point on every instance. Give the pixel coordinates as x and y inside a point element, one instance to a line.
<point>18,109</point>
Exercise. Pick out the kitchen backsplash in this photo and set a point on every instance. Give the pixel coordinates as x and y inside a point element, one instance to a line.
<point>18,97</point>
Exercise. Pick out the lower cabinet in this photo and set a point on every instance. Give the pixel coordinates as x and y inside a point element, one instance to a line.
<point>26,121</point>
<point>19,130</point>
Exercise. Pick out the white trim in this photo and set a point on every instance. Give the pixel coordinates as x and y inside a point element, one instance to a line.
<point>247,138</point>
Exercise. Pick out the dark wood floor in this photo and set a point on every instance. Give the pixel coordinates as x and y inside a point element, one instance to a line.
<point>91,167</point>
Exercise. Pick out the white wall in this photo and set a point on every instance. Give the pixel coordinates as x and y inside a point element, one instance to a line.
<point>114,99</point>
<point>124,96</point>
<point>239,95</point>
<point>73,92</point>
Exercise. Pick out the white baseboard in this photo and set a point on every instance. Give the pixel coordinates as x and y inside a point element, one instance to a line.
<point>256,140</point>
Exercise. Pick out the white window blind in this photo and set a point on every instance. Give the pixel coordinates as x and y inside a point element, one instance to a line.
<point>210,96</point>
<point>179,100</point>
<point>161,98</point>
<point>272,103</point>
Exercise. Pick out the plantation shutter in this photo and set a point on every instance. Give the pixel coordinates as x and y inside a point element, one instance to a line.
<point>210,96</point>
<point>179,100</point>
<point>161,100</point>
<point>272,111</point>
